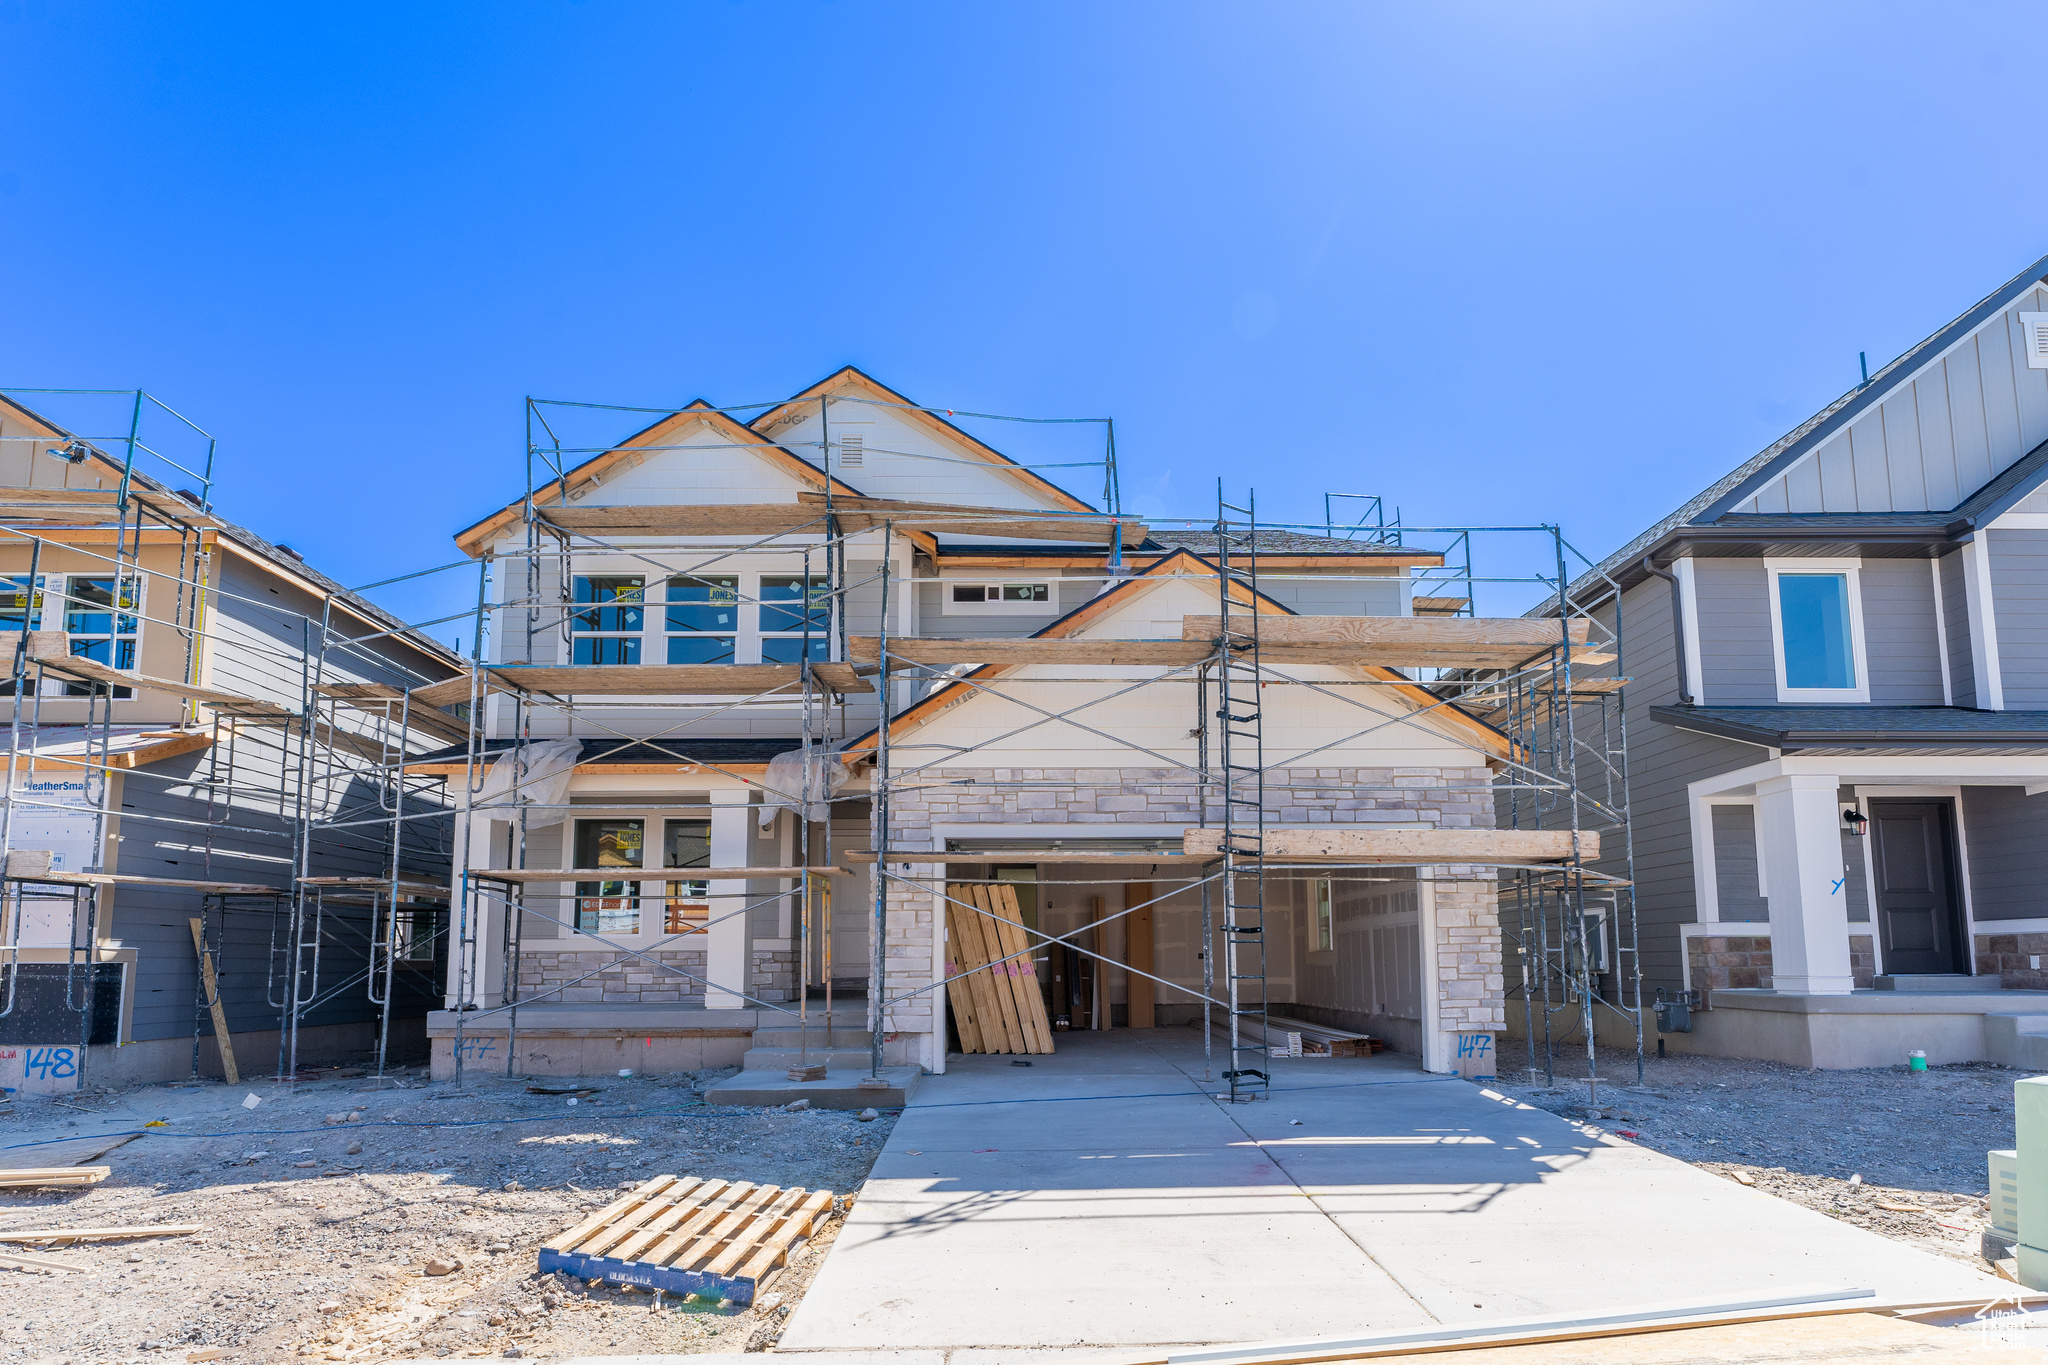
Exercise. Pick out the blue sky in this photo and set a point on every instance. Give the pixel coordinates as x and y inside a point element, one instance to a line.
<point>1496,262</point>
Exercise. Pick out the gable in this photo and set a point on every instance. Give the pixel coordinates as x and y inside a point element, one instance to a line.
<point>1939,433</point>
<point>1150,606</point>
<point>908,451</point>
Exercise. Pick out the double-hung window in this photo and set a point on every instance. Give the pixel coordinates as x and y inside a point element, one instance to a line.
<point>686,844</point>
<point>608,619</point>
<point>609,907</point>
<point>702,620</point>
<point>789,603</point>
<point>1817,630</point>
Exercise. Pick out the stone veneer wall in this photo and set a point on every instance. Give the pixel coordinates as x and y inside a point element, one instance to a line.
<point>1471,986</point>
<point>1468,933</point>
<point>2005,955</point>
<point>632,981</point>
<point>1743,961</point>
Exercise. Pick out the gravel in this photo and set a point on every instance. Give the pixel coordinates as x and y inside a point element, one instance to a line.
<point>1844,1143</point>
<point>334,1259</point>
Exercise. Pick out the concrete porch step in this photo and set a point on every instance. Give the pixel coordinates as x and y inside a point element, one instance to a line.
<point>783,1058</point>
<point>839,1090</point>
<point>781,1036</point>
<point>1945,984</point>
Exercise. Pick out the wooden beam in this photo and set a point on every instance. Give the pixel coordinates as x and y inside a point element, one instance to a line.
<point>1033,856</point>
<point>1396,641</point>
<point>1031,649</point>
<point>114,879</point>
<point>454,769</point>
<point>448,692</point>
<point>1407,845</point>
<point>229,1071</point>
<point>661,680</point>
<point>405,888</point>
<point>524,875</point>
<point>172,744</point>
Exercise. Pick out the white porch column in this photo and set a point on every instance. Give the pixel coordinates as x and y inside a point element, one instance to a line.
<point>726,958</point>
<point>475,937</point>
<point>1809,909</point>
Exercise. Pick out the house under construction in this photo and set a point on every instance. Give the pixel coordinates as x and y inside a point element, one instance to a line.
<point>208,829</point>
<point>821,737</point>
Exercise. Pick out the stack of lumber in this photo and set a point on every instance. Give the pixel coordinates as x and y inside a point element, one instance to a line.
<point>1001,1009</point>
<point>713,1238</point>
<point>1317,1040</point>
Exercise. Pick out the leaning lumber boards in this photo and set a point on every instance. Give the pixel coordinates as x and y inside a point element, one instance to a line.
<point>1023,969</point>
<point>960,991</point>
<point>970,948</point>
<point>975,922</point>
<point>53,1175</point>
<point>207,978</point>
<point>686,1235</point>
<point>1408,846</point>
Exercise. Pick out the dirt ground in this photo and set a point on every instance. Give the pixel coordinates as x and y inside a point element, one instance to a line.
<point>1891,1150</point>
<point>315,1247</point>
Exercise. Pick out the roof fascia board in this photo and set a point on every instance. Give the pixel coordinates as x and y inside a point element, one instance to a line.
<point>1900,371</point>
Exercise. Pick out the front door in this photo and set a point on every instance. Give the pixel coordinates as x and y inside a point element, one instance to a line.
<point>1919,913</point>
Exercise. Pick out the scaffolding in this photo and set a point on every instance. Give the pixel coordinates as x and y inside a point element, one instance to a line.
<point>290,759</point>
<point>561,612</point>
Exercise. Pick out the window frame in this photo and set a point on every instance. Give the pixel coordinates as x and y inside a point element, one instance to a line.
<point>593,608</point>
<point>1323,902</point>
<point>1851,570</point>
<point>1049,607</point>
<point>817,602</point>
<point>735,638</point>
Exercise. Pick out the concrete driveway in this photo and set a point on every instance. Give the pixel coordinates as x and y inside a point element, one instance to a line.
<point>1102,1197</point>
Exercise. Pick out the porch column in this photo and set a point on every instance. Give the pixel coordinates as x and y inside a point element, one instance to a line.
<point>726,955</point>
<point>1803,867</point>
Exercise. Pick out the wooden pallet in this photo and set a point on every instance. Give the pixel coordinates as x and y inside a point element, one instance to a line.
<point>683,1235</point>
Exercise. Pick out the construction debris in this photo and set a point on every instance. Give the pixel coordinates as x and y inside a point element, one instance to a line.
<point>55,1235</point>
<point>53,1175</point>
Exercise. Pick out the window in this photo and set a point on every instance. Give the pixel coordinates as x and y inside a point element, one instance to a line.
<point>418,930</point>
<point>20,607</point>
<point>102,626</point>
<point>608,907</point>
<point>702,619</point>
<point>686,843</point>
<point>1817,628</point>
<point>1326,929</point>
<point>788,603</point>
<point>984,598</point>
<point>605,627</point>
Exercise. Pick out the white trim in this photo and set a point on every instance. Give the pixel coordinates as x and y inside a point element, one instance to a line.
<point>948,607</point>
<point>1852,571</point>
<point>2019,521</point>
<point>1706,868</point>
<point>1436,1048</point>
<point>1895,770</point>
<point>1870,883</point>
<point>1983,623</point>
<point>1689,620</point>
<point>2012,926</point>
<point>1948,691</point>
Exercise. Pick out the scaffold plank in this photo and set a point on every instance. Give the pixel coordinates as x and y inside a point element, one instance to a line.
<point>1026,523</point>
<point>1030,649</point>
<point>50,649</point>
<point>650,874</point>
<point>659,680</point>
<point>405,888</point>
<point>116,879</point>
<point>1407,845</point>
<point>854,515</point>
<point>1397,641</point>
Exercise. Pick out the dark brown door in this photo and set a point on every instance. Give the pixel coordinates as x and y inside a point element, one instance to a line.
<point>1919,912</point>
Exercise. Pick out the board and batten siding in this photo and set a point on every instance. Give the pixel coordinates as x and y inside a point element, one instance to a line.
<point>1935,438</point>
<point>2005,829</point>
<point>2019,590</point>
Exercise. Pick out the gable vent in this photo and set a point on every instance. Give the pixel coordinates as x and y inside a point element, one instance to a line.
<point>2035,326</point>
<point>853,452</point>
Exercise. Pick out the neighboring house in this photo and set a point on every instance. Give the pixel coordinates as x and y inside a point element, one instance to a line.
<point>993,770</point>
<point>1838,715</point>
<point>207,794</point>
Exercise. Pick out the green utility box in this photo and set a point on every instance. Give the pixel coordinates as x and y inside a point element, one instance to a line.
<point>2030,1134</point>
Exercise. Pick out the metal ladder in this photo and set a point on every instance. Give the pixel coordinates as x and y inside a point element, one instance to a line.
<point>1242,754</point>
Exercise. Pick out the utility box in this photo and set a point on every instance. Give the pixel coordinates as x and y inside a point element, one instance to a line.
<point>1996,1241</point>
<point>2030,1131</point>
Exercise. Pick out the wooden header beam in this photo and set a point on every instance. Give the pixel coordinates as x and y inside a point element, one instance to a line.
<point>660,680</point>
<point>854,515</point>
<point>1397,641</point>
<point>1354,845</point>
<point>650,874</point>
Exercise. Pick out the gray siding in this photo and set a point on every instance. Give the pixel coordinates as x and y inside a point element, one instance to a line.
<point>1955,610</point>
<point>171,829</point>
<point>1343,597</point>
<point>1735,864</point>
<point>1901,646</point>
<point>2004,830</point>
<point>2019,588</point>
<point>1734,606</point>
<point>1856,880</point>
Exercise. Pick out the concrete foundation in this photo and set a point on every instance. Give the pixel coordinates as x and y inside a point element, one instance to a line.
<point>599,1040</point>
<point>170,1059</point>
